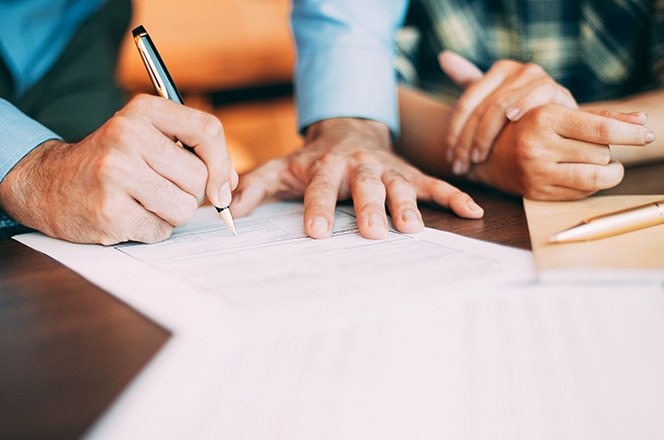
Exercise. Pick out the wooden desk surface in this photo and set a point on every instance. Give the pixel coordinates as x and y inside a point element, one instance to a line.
<point>67,349</point>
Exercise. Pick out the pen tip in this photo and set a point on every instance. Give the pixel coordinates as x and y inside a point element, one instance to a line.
<point>225,213</point>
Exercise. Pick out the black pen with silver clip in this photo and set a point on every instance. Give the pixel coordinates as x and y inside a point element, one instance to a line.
<point>165,87</point>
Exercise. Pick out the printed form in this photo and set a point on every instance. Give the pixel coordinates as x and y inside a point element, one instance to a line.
<point>272,262</point>
<point>273,259</point>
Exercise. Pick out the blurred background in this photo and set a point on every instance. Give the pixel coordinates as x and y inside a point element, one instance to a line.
<point>232,58</point>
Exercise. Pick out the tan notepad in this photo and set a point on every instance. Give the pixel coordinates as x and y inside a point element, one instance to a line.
<point>638,254</point>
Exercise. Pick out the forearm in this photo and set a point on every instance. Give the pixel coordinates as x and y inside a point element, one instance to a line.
<point>424,126</point>
<point>651,103</point>
<point>345,59</point>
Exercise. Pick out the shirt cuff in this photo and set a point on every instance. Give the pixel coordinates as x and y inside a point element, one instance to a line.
<point>346,82</point>
<point>19,135</point>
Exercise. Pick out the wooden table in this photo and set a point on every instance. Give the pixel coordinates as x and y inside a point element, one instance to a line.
<point>67,349</point>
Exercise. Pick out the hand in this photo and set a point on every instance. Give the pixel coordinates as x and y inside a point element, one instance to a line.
<point>128,180</point>
<point>557,153</point>
<point>505,93</point>
<point>350,157</point>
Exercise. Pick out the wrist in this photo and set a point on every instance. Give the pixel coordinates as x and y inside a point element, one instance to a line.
<point>338,129</point>
<point>19,182</point>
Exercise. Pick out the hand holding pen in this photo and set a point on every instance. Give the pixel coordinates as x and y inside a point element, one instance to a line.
<point>221,176</point>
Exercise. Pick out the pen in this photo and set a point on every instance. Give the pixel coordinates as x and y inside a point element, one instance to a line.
<point>614,223</point>
<point>165,87</point>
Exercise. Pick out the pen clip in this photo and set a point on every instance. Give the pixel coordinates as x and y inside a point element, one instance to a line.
<point>159,85</point>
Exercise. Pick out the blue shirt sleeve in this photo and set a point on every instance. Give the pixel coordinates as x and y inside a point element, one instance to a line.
<point>345,59</point>
<point>19,134</point>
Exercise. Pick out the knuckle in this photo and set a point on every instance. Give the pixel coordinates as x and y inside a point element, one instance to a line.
<point>329,159</point>
<point>548,90</point>
<point>153,232</point>
<point>501,102</point>
<point>139,102</point>
<point>463,106</point>
<point>105,216</point>
<point>117,128</point>
<point>505,64</point>
<point>212,126</point>
<point>587,180</point>
<point>363,160</point>
<point>526,149</point>
<point>532,69</point>
<point>541,116</point>
<point>604,130</point>
<point>363,177</point>
<point>108,168</point>
<point>594,179</point>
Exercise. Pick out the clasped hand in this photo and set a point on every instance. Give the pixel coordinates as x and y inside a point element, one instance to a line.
<point>530,132</point>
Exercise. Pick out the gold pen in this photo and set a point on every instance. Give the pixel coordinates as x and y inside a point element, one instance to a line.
<point>613,223</point>
<point>165,87</point>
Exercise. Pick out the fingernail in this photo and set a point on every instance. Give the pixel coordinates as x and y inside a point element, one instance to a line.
<point>513,113</point>
<point>235,179</point>
<point>474,207</point>
<point>224,196</point>
<point>642,116</point>
<point>475,155</point>
<point>409,216</point>
<point>376,220</point>
<point>319,225</point>
<point>650,136</point>
<point>449,155</point>
<point>457,167</point>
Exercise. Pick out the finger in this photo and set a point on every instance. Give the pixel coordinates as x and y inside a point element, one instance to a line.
<point>462,150</point>
<point>160,196</point>
<point>487,129</point>
<point>402,202</point>
<point>510,104</point>
<point>369,199</point>
<point>531,97</point>
<point>235,179</point>
<point>444,194</point>
<point>460,70</point>
<point>639,118</point>
<point>598,129</point>
<point>320,196</point>
<point>258,186</point>
<point>555,192</point>
<point>199,130</point>
<point>474,95</point>
<point>572,151</point>
<point>588,177</point>
<point>176,164</point>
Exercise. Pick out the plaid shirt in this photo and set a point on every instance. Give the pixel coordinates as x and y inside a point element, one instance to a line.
<point>598,49</point>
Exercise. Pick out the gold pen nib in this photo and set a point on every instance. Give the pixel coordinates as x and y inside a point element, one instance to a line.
<point>225,214</point>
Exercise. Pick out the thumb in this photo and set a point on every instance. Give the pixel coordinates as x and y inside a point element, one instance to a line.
<point>459,69</point>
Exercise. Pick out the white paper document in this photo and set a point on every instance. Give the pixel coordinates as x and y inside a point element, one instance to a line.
<point>425,336</point>
<point>204,269</point>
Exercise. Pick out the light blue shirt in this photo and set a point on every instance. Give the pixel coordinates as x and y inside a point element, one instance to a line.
<point>33,34</point>
<point>345,59</point>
